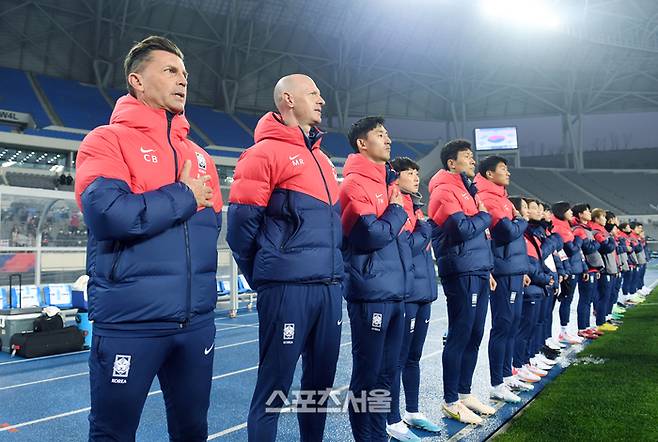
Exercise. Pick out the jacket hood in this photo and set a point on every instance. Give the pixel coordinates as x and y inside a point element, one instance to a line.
<point>444,177</point>
<point>486,186</point>
<point>360,165</point>
<point>131,112</point>
<point>272,127</point>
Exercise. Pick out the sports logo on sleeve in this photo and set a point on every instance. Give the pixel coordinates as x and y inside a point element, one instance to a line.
<point>201,162</point>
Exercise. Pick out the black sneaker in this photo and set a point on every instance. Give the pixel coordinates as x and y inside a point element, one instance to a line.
<point>549,352</point>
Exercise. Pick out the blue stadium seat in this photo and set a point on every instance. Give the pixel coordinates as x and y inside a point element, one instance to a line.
<point>219,126</point>
<point>243,285</point>
<point>224,153</point>
<point>226,284</point>
<point>248,119</point>
<point>221,290</point>
<point>399,149</point>
<point>115,94</point>
<point>336,144</point>
<point>192,135</point>
<point>17,95</point>
<point>78,105</point>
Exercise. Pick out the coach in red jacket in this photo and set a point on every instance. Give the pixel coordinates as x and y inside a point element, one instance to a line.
<point>285,233</point>
<point>151,200</point>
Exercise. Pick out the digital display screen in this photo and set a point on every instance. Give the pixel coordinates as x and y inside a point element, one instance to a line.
<point>496,138</point>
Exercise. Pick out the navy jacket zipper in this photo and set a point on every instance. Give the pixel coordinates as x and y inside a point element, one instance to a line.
<point>170,116</point>
<point>331,215</point>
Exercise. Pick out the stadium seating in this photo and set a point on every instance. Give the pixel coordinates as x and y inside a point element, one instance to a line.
<point>218,126</point>
<point>399,149</point>
<point>224,153</point>
<point>634,192</point>
<point>646,158</point>
<point>547,186</point>
<point>336,144</point>
<point>249,120</point>
<point>20,96</point>
<point>78,105</point>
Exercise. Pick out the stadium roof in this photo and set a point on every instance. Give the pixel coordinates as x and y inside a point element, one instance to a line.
<point>420,59</point>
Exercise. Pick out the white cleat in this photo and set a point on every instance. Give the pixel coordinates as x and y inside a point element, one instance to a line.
<point>537,362</point>
<point>532,368</point>
<point>526,375</point>
<point>502,393</point>
<point>516,384</point>
<point>474,404</point>
<point>401,432</point>
<point>460,412</point>
<point>543,359</point>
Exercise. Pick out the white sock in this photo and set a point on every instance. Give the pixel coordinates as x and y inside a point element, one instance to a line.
<point>417,415</point>
<point>508,379</point>
<point>564,329</point>
<point>463,396</point>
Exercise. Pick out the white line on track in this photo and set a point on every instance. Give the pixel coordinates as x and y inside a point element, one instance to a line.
<point>82,410</point>
<point>43,381</point>
<point>243,425</point>
<point>44,357</point>
<point>236,344</point>
<point>85,373</point>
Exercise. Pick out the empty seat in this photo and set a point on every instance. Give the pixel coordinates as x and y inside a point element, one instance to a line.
<point>218,126</point>
<point>78,105</point>
<point>17,95</point>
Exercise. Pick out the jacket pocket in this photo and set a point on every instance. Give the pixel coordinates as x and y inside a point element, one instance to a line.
<point>119,247</point>
<point>290,240</point>
<point>458,250</point>
<point>506,251</point>
<point>369,265</point>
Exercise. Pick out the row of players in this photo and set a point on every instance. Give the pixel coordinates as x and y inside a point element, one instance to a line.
<point>514,254</point>
<point>152,203</point>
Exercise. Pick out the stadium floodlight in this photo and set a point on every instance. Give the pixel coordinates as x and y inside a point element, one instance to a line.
<point>527,13</point>
<point>8,163</point>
